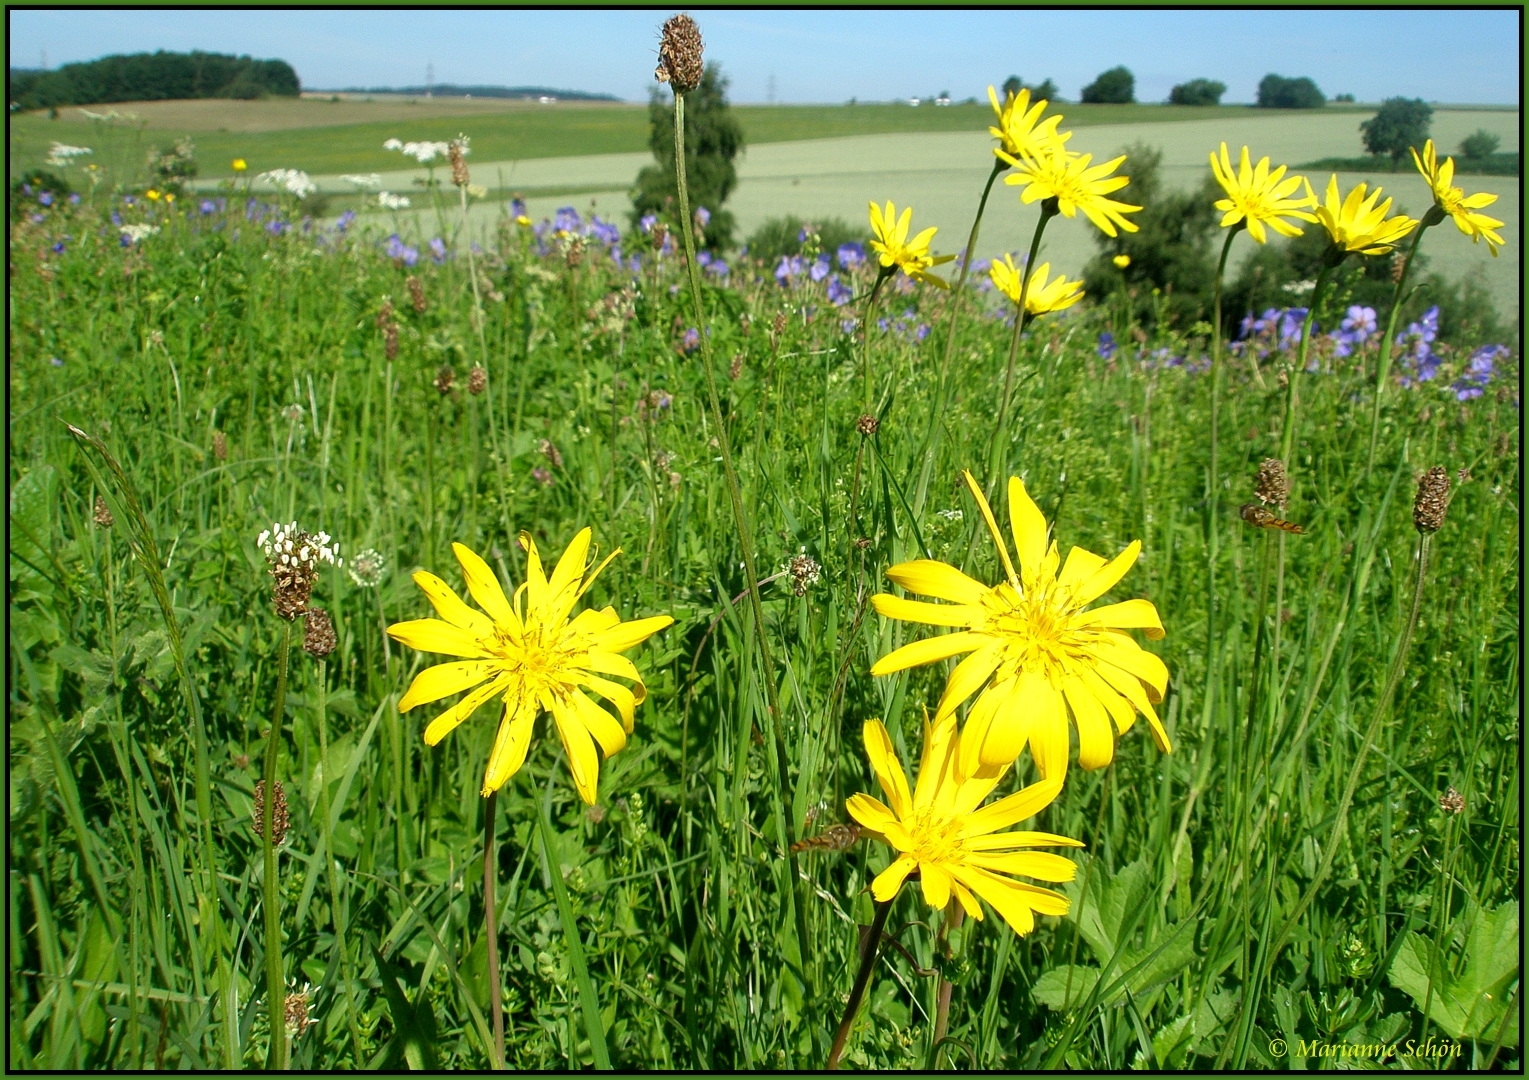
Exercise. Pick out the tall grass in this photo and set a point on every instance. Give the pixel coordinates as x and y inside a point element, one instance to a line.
<point>1177,954</point>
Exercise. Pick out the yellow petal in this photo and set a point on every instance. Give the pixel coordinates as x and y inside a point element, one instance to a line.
<point>936,883</point>
<point>891,879</point>
<point>608,663</point>
<point>936,764</point>
<point>602,725</point>
<point>1029,526</point>
<point>968,678</point>
<point>979,725</point>
<point>889,771</point>
<point>870,812</point>
<point>1012,900</point>
<point>449,606</point>
<point>626,635</point>
<point>583,762</point>
<point>968,901</point>
<point>442,724</point>
<point>570,568</point>
<point>443,680</point>
<point>1116,648</point>
<point>484,586</point>
<point>939,580</point>
<point>1031,714</point>
<point>618,695</point>
<point>1080,567</point>
<point>1120,710</point>
<point>992,525</point>
<point>896,607</point>
<point>510,745</point>
<point>432,635</point>
<point>928,650</point>
<point>1035,864</point>
<point>1105,578</point>
<point>995,841</point>
<point>1024,803</point>
<point>1096,741</point>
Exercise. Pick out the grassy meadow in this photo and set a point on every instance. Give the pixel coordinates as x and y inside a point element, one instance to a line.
<point>1282,885</point>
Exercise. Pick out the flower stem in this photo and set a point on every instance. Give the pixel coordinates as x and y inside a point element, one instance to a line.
<point>1383,364</point>
<point>275,983</point>
<point>1287,438</point>
<point>931,445</point>
<point>491,925</point>
<point>1048,211</point>
<point>955,914</point>
<point>787,833</point>
<point>868,952</point>
<point>1212,497</point>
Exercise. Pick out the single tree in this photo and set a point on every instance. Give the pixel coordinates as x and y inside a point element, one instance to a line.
<point>1046,90</point>
<point>1480,146</point>
<point>712,140</point>
<point>1400,123</point>
<point>1012,86</point>
<point>1117,86</point>
<point>1197,92</point>
<point>1278,92</point>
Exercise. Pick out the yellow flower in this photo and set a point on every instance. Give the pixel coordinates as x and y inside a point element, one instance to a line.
<point>1036,655</point>
<point>1261,197</point>
<point>1455,202</point>
<point>1358,224</point>
<point>955,847</point>
<point>1057,173</point>
<point>151,195</point>
<point>1121,261</point>
<point>240,164</point>
<point>523,221</point>
<point>1041,297</point>
<point>892,244</point>
<point>532,655</point>
<point>1020,131</point>
<point>169,196</point>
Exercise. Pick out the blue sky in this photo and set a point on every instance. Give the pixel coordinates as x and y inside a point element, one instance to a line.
<point>831,56</point>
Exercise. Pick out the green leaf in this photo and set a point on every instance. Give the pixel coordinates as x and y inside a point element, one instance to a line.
<point>413,1024</point>
<point>1472,1003</point>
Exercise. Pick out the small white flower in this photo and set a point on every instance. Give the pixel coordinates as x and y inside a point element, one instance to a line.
<point>369,180</point>
<point>63,154</point>
<point>294,181</point>
<point>392,144</point>
<point>389,201</point>
<point>136,233</point>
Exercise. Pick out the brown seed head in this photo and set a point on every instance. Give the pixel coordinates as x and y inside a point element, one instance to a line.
<point>416,294</point>
<point>862,543</point>
<point>804,571</point>
<point>294,558</point>
<point>660,234</point>
<point>778,324</point>
<point>458,164</point>
<point>735,369</point>
<point>575,253</point>
<point>1452,802</point>
<point>385,313</point>
<point>103,516</point>
<point>298,1013</point>
<point>319,637</point>
<point>445,378</point>
<point>868,425</point>
<point>550,452</point>
<point>680,63</point>
<point>744,323</point>
<point>1432,500</point>
<point>1271,483</point>
<point>279,819</point>
<point>220,446</point>
<point>1398,264</point>
<point>477,380</point>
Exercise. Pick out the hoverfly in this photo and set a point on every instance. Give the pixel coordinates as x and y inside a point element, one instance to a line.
<point>1263,518</point>
<point>833,838</point>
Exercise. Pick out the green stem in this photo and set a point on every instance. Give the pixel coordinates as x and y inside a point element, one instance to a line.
<point>1383,364</point>
<point>1048,211</point>
<point>589,1002</point>
<point>491,925</point>
<point>931,445</point>
<point>787,832</point>
<point>275,984</point>
<point>1212,498</point>
<point>1287,437</point>
<point>868,953</point>
<point>329,859</point>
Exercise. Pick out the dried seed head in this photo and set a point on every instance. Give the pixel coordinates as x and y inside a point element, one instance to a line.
<point>868,425</point>
<point>778,325</point>
<point>804,572</point>
<point>574,255</point>
<point>279,819</point>
<point>745,323</point>
<point>1432,500</point>
<point>1452,802</point>
<point>445,378</point>
<point>1271,483</point>
<point>679,54</point>
<point>477,380</point>
<point>1283,379</point>
<point>1462,474</point>
<point>319,637</point>
<point>103,516</point>
<point>298,1012</point>
<point>550,452</point>
<point>385,313</point>
<point>1398,265</point>
<point>416,294</point>
<point>220,446</point>
<point>735,369</point>
<point>459,175</point>
<point>294,557</point>
<point>390,341</point>
<point>863,542</point>
<point>660,234</point>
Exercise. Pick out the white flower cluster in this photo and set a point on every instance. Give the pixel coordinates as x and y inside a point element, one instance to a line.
<point>287,545</point>
<point>61,154</point>
<point>388,201</point>
<point>369,180</point>
<point>422,152</point>
<point>294,181</point>
<point>136,233</point>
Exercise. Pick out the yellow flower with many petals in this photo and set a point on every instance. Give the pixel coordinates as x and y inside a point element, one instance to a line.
<point>531,654</point>
<point>1358,223</point>
<point>1042,297</point>
<point>240,164</point>
<point>1057,173</point>
<point>1036,654</point>
<point>1260,196</point>
<point>1021,132</point>
<point>938,830</point>
<point>1455,202</point>
<point>892,244</point>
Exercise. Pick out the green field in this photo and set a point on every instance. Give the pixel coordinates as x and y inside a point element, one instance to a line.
<point>1328,858</point>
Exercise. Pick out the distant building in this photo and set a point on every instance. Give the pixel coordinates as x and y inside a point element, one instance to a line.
<point>942,100</point>
<point>546,99</point>
<point>913,101</point>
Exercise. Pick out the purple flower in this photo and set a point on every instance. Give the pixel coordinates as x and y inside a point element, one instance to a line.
<point>839,293</point>
<point>344,221</point>
<point>542,477</point>
<point>702,216</point>
<point>703,257</point>
<point>647,221</point>
<point>850,255</point>
<point>903,284</point>
<point>38,219</point>
<point>788,268</point>
<point>45,197</point>
<point>127,200</point>
<point>276,227</point>
<point>1479,372</point>
<point>1344,341</point>
<point>567,219</point>
<point>1290,325</point>
<point>634,264</point>
<point>604,231</point>
<point>207,206</point>
<point>397,249</point>
<point>74,200</point>
<point>803,233</point>
<point>849,325</point>
<point>55,361</point>
<point>437,250</point>
<point>517,207</point>
<point>1360,322</point>
<point>1106,346</point>
<point>819,269</point>
<point>921,332</point>
<point>717,268</point>
<point>690,341</point>
<point>58,248</point>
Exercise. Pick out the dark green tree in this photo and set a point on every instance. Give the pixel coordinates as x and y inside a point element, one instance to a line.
<point>1117,86</point>
<point>1197,92</point>
<point>1480,146</point>
<point>1278,92</point>
<point>1012,86</point>
<point>154,77</point>
<point>712,140</point>
<point>1400,123</point>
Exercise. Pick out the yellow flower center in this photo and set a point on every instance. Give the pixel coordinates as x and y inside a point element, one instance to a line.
<point>543,659</point>
<point>1035,626</point>
<point>935,839</point>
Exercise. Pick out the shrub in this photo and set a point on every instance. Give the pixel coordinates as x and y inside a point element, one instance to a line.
<point>782,236</point>
<point>712,140</point>
<point>1480,146</point>
<point>1044,89</point>
<point>1400,123</point>
<point>1197,92</point>
<point>1117,86</point>
<point>1278,92</point>
<point>170,169</point>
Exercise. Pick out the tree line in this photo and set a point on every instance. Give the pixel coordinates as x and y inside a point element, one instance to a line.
<point>155,76</point>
